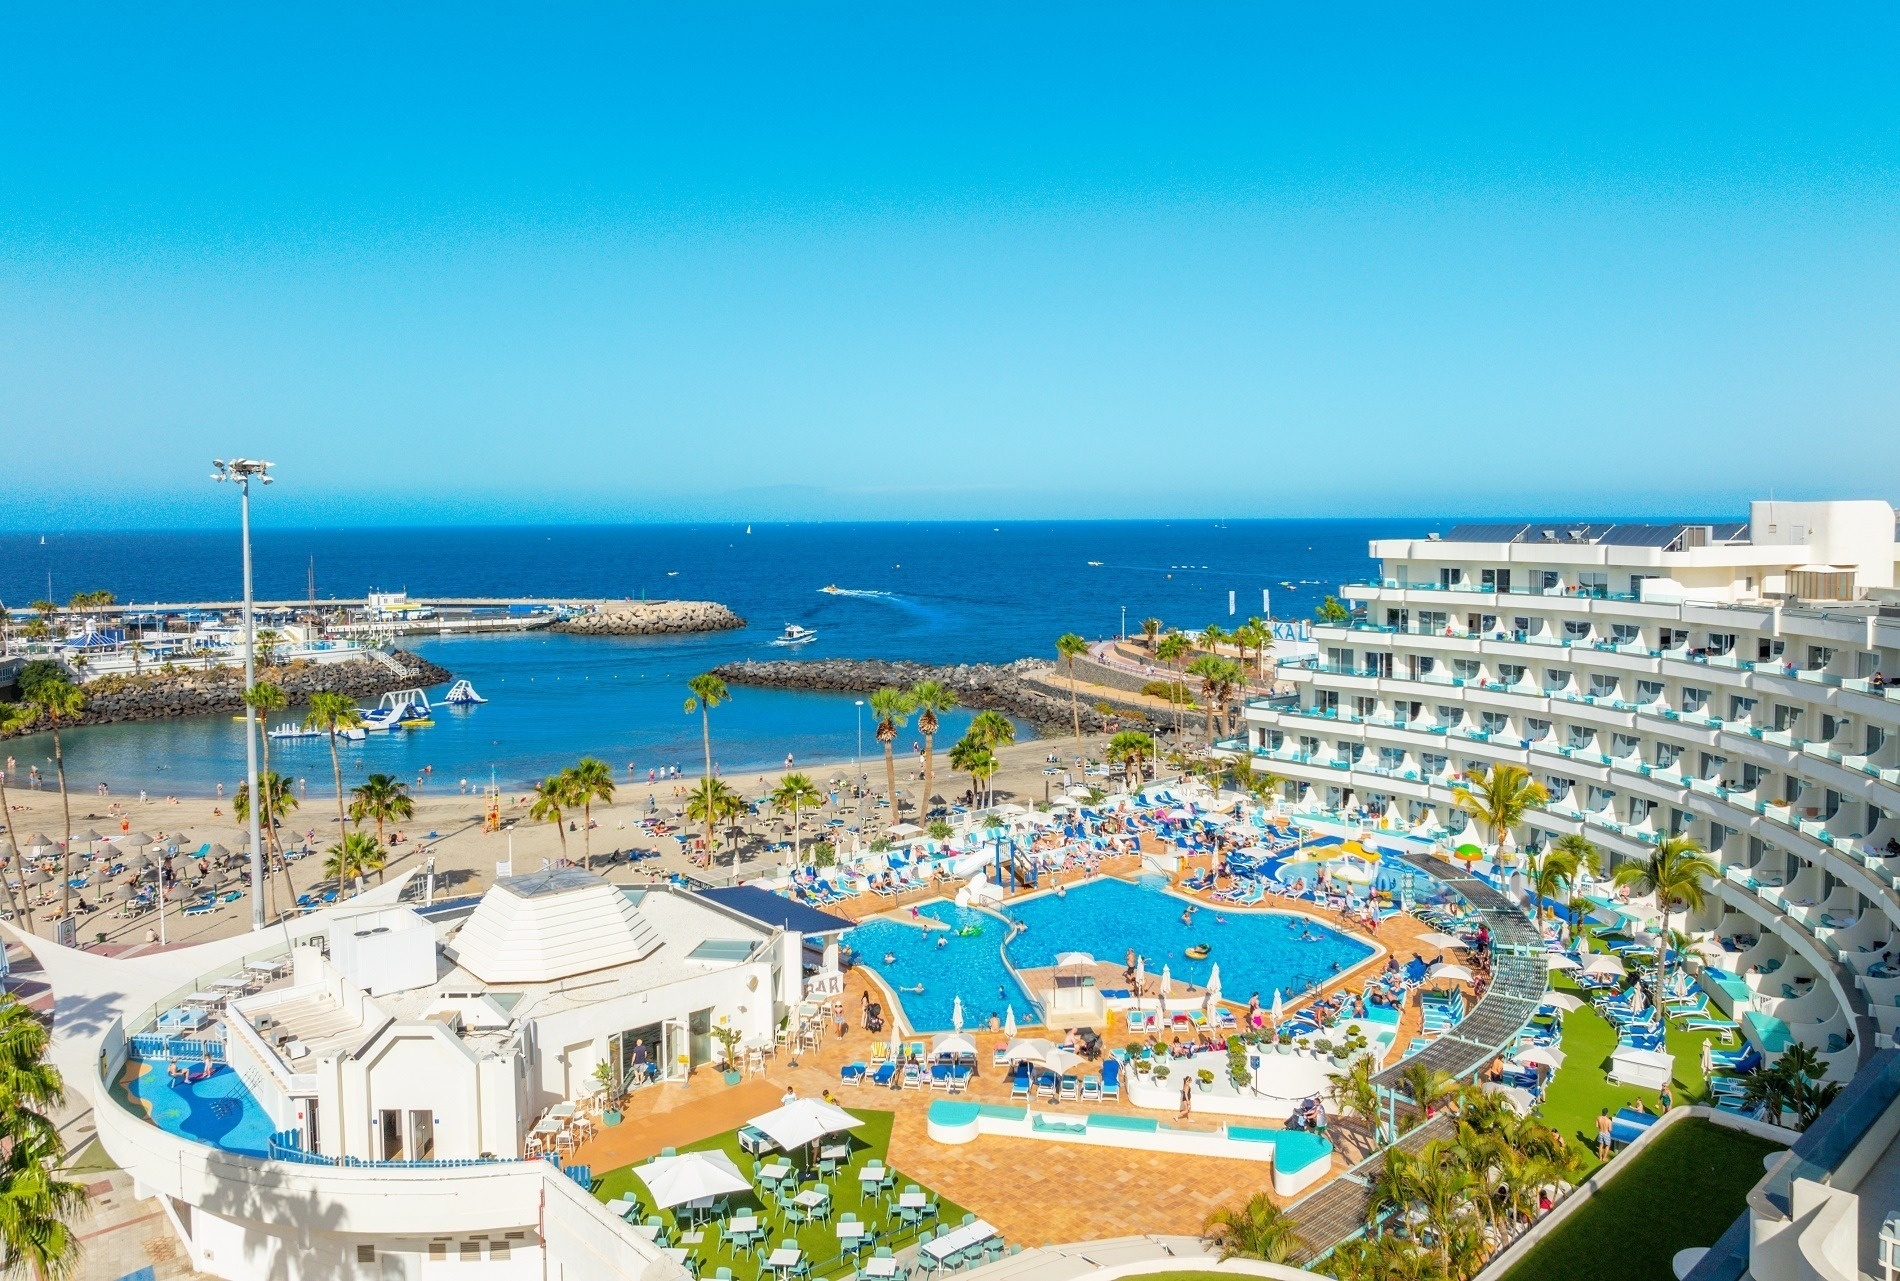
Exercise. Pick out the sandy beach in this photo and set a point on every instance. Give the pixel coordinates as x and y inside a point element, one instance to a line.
<point>448,827</point>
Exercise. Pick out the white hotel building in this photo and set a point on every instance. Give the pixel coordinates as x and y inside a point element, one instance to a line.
<point>1726,681</point>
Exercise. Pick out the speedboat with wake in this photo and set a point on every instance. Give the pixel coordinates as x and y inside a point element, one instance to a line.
<point>795,635</point>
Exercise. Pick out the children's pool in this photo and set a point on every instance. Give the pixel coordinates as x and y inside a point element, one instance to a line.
<point>1257,951</point>
<point>217,1111</point>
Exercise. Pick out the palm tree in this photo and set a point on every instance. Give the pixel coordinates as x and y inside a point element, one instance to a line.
<point>355,856</point>
<point>931,698</point>
<point>265,698</point>
<point>1129,749</point>
<point>1211,637</point>
<point>1070,647</point>
<point>795,794</point>
<point>1356,1093</point>
<point>267,642</point>
<point>712,802</point>
<point>1675,873</point>
<point>1499,799</point>
<point>1213,673</point>
<point>35,1204</point>
<point>1257,1230</point>
<point>57,699</point>
<point>973,756</point>
<point>708,692</point>
<point>1560,866</point>
<point>1426,1086</point>
<point>551,796</point>
<point>593,780</point>
<point>992,729</point>
<point>382,797</point>
<point>333,713</point>
<point>276,800</point>
<point>1150,628</point>
<point>13,718</point>
<point>891,707</point>
<point>1262,642</point>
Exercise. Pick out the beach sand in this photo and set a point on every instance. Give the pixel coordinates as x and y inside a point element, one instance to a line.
<point>465,856</point>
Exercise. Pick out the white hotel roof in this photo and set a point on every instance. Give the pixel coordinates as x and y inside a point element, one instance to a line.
<point>552,925</point>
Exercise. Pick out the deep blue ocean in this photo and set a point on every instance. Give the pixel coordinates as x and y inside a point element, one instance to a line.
<point>934,592</point>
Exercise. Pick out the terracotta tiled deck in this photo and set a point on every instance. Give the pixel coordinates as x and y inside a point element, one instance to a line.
<point>1034,1192</point>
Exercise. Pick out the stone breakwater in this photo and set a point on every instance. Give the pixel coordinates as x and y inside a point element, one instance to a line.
<point>160,695</point>
<point>651,618</point>
<point>1015,689</point>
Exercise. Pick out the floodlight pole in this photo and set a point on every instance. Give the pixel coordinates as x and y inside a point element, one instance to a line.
<point>240,471</point>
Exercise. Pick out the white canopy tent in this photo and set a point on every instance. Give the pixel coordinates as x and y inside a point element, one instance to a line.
<point>803,1120</point>
<point>675,1180</point>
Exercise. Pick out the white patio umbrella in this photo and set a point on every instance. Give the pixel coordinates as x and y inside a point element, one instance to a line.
<point>1542,1056</point>
<point>1060,1060</point>
<point>1167,979</point>
<point>1636,997</point>
<point>1563,1001</point>
<point>1141,974</point>
<point>1277,1014</point>
<point>1009,1022</point>
<point>1558,961</point>
<point>1029,1050</point>
<point>1213,987</point>
<point>1603,963</point>
<point>1451,973</point>
<point>955,1044</point>
<point>1518,1098</point>
<point>1708,1055</point>
<point>1435,939</point>
<point>956,1014</point>
<point>801,1121</point>
<point>1066,959</point>
<point>675,1180</point>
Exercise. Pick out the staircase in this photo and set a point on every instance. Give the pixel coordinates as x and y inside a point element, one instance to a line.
<point>388,663</point>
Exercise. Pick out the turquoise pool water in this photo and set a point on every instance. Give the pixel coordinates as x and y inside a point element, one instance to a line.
<point>217,1111</point>
<point>1256,951</point>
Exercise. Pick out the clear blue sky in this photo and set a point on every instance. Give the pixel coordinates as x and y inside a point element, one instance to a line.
<point>469,263</point>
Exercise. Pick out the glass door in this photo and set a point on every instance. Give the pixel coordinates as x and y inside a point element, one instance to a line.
<point>678,1053</point>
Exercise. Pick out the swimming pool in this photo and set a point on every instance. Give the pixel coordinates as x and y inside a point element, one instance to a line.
<point>217,1111</point>
<point>970,966</point>
<point>1257,951</point>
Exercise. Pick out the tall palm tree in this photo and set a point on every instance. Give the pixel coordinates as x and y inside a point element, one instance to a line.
<point>973,756</point>
<point>1356,1093</point>
<point>1560,867</point>
<point>891,707</point>
<point>1171,649</point>
<point>384,798</point>
<point>551,796</point>
<point>1498,799</point>
<point>795,794</point>
<point>265,698</point>
<point>356,855</point>
<point>36,1206</point>
<point>57,699</point>
<point>1129,749</point>
<point>712,802</point>
<point>708,692</point>
<point>1213,673</point>
<point>1070,647</point>
<point>1211,637</point>
<point>1150,628</point>
<point>13,718</point>
<point>932,699</point>
<point>1257,1230</point>
<point>992,729</point>
<point>593,780</point>
<point>333,713</point>
<point>276,799</point>
<point>1675,872</point>
<point>268,639</point>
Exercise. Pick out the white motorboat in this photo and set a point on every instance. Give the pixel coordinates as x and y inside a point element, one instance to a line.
<point>795,635</point>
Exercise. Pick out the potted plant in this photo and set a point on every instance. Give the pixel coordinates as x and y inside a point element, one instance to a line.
<point>1284,1043</point>
<point>1323,1046</point>
<point>1162,1071</point>
<point>1205,1079</point>
<point>609,1093</point>
<point>728,1037</point>
<point>1306,1044</point>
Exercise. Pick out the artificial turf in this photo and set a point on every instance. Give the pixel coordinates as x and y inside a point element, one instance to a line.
<point>1683,1190</point>
<point>819,1240</point>
<point>1580,1088</point>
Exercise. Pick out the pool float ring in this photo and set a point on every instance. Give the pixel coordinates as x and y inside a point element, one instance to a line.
<point>1198,952</point>
<point>969,931</point>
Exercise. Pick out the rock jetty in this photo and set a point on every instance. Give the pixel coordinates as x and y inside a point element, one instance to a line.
<point>160,694</point>
<point>1027,689</point>
<point>651,618</point>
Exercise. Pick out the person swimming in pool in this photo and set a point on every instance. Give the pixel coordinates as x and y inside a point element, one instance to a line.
<point>914,991</point>
<point>942,941</point>
<point>890,958</point>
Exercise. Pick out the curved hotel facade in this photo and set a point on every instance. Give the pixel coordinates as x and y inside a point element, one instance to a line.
<point>1726,681</point>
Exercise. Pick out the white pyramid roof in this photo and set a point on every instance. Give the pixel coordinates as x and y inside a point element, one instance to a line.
<point>552,925</point>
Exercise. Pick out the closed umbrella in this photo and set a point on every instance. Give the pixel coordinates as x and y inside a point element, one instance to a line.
<point>1708,1056</point>
<point>1277,1015</point>
<point>1009,1022</point>
<point>1141,974</point>
<point>675,1180</point>
<point>956,1014</point>
<point>1167,980</point>
<point>1213,988</point>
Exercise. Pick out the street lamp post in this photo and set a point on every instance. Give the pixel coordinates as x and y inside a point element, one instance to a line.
<point>858,836</point>
<point>241,471</point>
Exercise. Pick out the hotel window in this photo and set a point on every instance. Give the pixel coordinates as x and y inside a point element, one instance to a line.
<point>1422,665</point>
<point>1636,584</point>
<point>1622,745</point>
<point>1559,788</point>
<point>1672,637</point>
<point>1667,754</point>
<point>1309,747</point>
<point>1767,651</point>
<point>391,1130</point>
<point>1339,660</point>
<point>1435,766</point>
<point>1450,717</point>
<point>1600,798</point>
<point>1511,673</point>
<point>1363,707</point>
<point>1876,739</point>
<point>1450,577</point>
<point>1576,629</point>
<point>1379,664</point>
<point>1493,722</point>
<point>1520,626</point>
<point>1721,643</point>
<point>1495,580</point>
<point>1625,633</point>
<point>1639,808</point>
<point>1580,737</point>
<point>1465,669</point>
<point>1392,758</point>
<point>1395,619</point>
<point>1537,731</point>
<point>1602,686</point>
<point>1739,708</point>
<point>1787,719</point>
<point>1556,679</point>
<point>1694,700</point>
<point>1548,579</point>
<point>1680,821</point>
<point>1593,582</point>
<point>1433,621</point>
<point>1326,701</point>
<point>1819,656</point>
<point>1648,692</point>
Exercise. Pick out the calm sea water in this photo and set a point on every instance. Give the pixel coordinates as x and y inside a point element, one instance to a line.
<point>935,592</point>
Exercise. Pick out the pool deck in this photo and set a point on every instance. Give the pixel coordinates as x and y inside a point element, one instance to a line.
<point>1034,1192</point>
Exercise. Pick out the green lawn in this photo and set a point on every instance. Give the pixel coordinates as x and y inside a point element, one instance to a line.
<point>1684,1190</point>
<point>818,1240</point>
<point>1579,1090</point>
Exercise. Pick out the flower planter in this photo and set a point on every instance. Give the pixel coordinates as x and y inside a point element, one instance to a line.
<point>732,1077</point>
<point>610,1117</point>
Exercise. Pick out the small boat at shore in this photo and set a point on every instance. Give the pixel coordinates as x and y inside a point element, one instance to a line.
<point>795,635</point>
